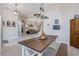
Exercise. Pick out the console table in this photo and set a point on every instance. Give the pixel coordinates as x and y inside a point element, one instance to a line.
<point>33,46</point>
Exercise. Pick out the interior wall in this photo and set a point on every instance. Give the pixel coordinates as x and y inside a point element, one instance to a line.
<point>0,34</point>
<point>0,27</point>
<point>63,12</point>
<point>10,33</point>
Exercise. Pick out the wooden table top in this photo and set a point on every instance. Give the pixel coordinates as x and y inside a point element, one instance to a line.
<point>38,45</point>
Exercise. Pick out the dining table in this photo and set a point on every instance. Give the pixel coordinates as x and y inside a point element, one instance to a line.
<point>36,46</point>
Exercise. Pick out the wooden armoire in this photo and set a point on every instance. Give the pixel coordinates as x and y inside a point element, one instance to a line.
<point>74,32</point>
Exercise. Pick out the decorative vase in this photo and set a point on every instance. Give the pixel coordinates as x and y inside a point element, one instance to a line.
<point>42,35</point>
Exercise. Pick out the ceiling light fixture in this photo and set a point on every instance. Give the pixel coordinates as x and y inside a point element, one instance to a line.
<point>41,13</point>
<point>15,11</point>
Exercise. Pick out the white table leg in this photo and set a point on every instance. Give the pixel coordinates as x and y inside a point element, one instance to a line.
<point>39,54</point>
<point>23,51</point>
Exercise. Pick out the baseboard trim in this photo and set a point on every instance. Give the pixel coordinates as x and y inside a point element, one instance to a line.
<point>63,42</point>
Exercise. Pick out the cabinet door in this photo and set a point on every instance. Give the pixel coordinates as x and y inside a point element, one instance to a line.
<point>72,26</point>
<point>77,26</point>
<point>74,33</point>
<point>76,41</point>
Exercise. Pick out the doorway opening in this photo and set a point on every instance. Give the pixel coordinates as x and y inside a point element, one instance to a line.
<point>21,28</point>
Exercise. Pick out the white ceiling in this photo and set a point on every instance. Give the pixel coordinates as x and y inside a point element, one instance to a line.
<point>26,9</point>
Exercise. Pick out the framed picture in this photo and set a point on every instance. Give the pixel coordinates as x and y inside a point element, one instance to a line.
<point>56,27</point>
<point>13,24</point>
<point>56,21</point>
<point>8,24</point>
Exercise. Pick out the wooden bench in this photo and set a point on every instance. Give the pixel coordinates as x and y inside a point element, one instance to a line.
<point>62,51</point>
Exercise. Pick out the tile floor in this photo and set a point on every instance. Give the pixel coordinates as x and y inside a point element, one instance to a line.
<point>12,49</point>
<point>15,50</point>
<point>72,51</point>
